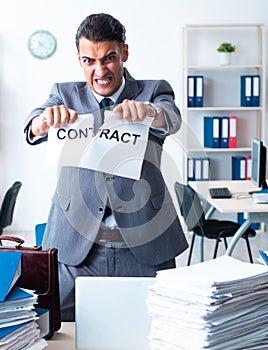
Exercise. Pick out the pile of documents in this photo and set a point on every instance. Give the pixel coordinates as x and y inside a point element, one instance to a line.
<point>260,197</point>
<point>20,321</point>
<point>218,304</point>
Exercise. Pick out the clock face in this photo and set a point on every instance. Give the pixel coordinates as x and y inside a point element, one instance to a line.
<point>42,44</point>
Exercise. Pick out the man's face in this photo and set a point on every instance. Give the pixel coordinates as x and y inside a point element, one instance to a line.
<point>102,64</point>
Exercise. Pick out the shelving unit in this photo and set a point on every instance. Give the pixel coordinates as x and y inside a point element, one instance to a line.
<point>222,90</point>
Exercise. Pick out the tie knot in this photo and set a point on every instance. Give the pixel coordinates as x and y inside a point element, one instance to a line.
<point>105,102</point>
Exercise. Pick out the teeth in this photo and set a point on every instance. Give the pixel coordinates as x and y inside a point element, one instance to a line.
<point>103,81</point>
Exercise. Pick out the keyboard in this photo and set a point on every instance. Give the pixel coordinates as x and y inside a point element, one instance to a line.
<point>220,192</point>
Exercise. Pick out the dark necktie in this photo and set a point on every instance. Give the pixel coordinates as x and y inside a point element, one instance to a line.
<point>104,103</point>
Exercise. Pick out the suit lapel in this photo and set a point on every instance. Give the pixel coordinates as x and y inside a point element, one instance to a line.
<point>131,90</point>
<point>86,99</point>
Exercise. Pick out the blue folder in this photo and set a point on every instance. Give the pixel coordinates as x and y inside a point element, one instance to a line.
<point>239,168</point>
<point>199,90</point>
<point>255,97</point>
<point>224,132</point>
<point>212,132</point>
<point>191,90</point>
<point>246,90</point>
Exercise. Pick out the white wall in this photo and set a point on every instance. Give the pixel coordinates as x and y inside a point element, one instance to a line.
<point>154,34</point>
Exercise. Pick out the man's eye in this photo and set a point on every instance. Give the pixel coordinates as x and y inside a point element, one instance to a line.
<point>87,60</point>
<point>110,58</point>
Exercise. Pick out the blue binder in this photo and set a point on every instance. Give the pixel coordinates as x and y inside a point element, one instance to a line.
<point>255,97</point>
<point>199,90</point>
<point>246,91</point>
<point>224,132</point>
<point>212,132</point>
<point>263,256</point>
<point>238,168</point>
<point>241,219</point>
<point>197,168</point>
<point>191,90</point>
<point>205,168</point>
<point>190,169</point>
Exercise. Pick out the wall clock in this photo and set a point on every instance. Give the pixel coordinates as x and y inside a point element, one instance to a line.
<point>42,44</point>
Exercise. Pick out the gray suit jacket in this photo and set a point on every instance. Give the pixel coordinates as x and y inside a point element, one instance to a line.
<point>143,208</point>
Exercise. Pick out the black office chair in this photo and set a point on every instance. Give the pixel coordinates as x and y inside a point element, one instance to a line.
<point>8,205</point>
<point>194,217</point>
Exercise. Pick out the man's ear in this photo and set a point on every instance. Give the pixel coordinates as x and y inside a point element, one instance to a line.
<point>125,53</point>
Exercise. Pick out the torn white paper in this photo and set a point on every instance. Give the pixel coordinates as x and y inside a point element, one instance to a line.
<point>118,147</point>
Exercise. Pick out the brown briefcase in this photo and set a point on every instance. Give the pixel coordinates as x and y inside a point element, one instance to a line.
<point>39,273</point>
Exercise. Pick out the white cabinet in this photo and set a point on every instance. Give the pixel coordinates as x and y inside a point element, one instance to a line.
<point>222,90</point>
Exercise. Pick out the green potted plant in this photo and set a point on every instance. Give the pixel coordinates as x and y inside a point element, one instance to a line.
<point>225,51</point>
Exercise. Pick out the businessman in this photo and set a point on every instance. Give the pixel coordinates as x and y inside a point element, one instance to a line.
<point>104,224</point>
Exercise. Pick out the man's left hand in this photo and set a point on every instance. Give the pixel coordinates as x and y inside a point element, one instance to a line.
<point>136,111</point>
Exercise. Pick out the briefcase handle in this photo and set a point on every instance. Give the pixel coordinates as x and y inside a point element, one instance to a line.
<point>13,239</point>
<point>20,243</point>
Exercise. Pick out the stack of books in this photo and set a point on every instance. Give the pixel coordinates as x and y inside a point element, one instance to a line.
<point>22,326</point>
<point>219,304</point>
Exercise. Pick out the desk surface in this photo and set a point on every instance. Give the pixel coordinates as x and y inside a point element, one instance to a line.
<point>240,202</point>
<point>64,339</point>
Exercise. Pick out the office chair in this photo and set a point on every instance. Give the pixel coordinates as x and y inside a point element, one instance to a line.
<point>194,217</point>
<point>39,233</point>
<point>8,205</point>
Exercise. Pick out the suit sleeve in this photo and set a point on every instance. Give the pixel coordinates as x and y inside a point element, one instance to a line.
<point>53,100</point>
<point>164,97</point>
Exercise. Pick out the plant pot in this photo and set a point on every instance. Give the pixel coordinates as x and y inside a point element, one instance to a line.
<point>225,58</point>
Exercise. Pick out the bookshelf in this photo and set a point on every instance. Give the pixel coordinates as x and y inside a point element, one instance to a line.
<point>222,90</point>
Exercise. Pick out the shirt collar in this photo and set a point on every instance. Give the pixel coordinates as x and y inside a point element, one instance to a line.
<point>113,97</point>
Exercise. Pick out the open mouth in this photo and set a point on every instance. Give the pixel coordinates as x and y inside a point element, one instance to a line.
<point>103,82</point>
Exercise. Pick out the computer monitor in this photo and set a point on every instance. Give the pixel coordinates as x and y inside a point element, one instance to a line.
<point>258,170</point>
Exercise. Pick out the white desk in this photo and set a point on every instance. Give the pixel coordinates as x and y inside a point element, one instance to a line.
<point>64,339</point>
<point>240,202</point>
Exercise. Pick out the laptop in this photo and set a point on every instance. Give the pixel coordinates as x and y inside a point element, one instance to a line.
<point>111,313</point>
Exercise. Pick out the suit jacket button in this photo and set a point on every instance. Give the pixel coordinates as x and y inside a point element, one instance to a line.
<point>108,178</point>
<point>101,210</point>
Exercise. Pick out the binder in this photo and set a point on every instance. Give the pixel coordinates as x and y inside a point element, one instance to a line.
<point>190,169</point>
<point>10,271</point>
<point>212,132</point>
<point>205,168</point>
<point>232,131</point>
<point>224,132</point>
<point>238,168</point>
<point>246,90</point>
<point>263,256</point>
<point>191,90</point>
<point>43,321</point>
<point>241,219</point>
<point>198,168</point>
<point>255,98</point>
<point>248,167</point>
<point>199,90</point>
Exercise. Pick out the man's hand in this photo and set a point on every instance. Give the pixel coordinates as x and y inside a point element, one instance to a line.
<point>135,111</point>
<point>55,117</point>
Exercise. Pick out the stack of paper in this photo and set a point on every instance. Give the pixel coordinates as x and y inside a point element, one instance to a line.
<point>19,327</point>
<point>218,304</point>
<point>260,197</point>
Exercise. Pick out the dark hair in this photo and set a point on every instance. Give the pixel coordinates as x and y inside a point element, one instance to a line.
<point>100,27</point>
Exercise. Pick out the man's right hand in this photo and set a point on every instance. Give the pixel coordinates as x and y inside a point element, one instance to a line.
<point>55,117</point>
